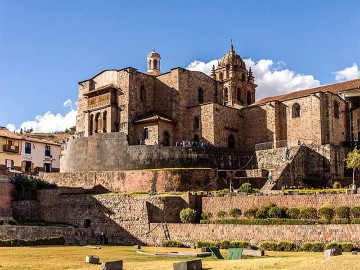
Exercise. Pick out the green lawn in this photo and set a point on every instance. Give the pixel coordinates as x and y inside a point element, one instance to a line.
<point>73,257</point>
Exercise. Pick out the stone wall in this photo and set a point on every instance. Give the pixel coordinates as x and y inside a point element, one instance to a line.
<point>26,210</point>
<point>34,232</point>
<point>190,233</point>
<point>6,196</point>
<point>216,204</point>
<point>138,180</point>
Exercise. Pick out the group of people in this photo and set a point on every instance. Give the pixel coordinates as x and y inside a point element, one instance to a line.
<point>186,143</point>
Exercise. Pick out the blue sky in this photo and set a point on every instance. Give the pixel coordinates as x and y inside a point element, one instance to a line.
<point>47,47</point>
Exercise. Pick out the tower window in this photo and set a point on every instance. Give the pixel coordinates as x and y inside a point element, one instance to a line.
<point>196,123</point>
<point>146,134</point>
<point>200,95</point>
<point>142,93</point>
<point>243,76</point>
<point>296,110</point>
<point>220,76</point>
<point>231,141</point>
<point>336,109</point>
<point>155,64</point>
<point>238,94</point>
<point>249,98</point>
<point>226,94</point>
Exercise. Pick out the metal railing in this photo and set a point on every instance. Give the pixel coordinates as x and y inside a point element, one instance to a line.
<point>10,148</point>
<point>270,145</point>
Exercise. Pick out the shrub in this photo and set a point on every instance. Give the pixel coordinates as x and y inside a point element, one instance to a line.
<point>342,212</point>
<point>308,213</point>
<point>172,243</point>
<point>268,246</point>
<point>206,215</point>
<point>336,185</point>
<point>250,213</point>
<point>207,243</point>
<point>355,212</point>
<point>235,212</point>
<point>285,246</point>
<point>326,213</point>
<point>333,245</point>
<point>275,212</point>
<point>268,221</point>
<point>221,214</point>
<point>340,221</point>
<point>293,213</point>
<point>312,247</point>
<point>225,244</point>
<point>187,215</point>
<point>246,187</point>
<point>239,244</point>
<point>347,246</point>
<point>355,220</point>
<point>262,213</point>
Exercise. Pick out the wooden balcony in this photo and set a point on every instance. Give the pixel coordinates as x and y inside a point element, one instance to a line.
<point>10,148</point>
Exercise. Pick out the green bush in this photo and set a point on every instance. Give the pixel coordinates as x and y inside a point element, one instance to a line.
<point>347,246</point>
<point>239,244</point>
<point>246,187</point>
<point>340,221</point>
<point>221,214</point>
<point>342,212</point>
<point>355,220</point>
<point>326,213</point>
<point>293,213</point>
<point>285,246</point>
<point>336,185</point>
<point>268,245</point>
<point>355,212</point>
<point>9,221</point>
<point>308,213</point>
<point>225,244</point>
<point>333,245</point>
<point>250,213</point>
<point>172,243</point>
<point>187,215</point>
<point>56,240</point>
<point>262,213</point>
<point>312,247</point>
<point>207,243</point>
<point>206,215</point>
<point>275,212</point>
<point>235,212</point>
<point>267,221</point>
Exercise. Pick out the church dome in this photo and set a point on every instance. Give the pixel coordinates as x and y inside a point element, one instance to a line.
<point>153,54</point>
<point>231,58</point>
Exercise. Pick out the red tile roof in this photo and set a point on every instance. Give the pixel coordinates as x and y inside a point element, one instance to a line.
<point>4,132</point>
<point>333,88</point>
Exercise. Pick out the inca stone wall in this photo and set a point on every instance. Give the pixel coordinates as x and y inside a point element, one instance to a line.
<point>215,204</point>
<point>190,233</point>
<point>6,196</point>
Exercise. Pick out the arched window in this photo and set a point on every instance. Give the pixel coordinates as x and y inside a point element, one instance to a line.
<point>226,94</point>
<point>155,64</point>
<point>97,124</point>
<point>243,76</point>
<point>227,72</point>
<point>336,109</point>
<point>146,134</point>
<point>248,98</point>
<point>196,123</point>
<point>166,138</point>
<point>142,93</point>
<point>220,76</point>
<point>296,110</point>
<point>238,94</point>
<point>104,121</point>
<point>231,141</point>
<point>200,95</point>
<point>91,124</point>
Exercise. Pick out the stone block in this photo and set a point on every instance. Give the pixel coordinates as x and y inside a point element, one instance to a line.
<point>188,265</point>
<point>137,246</point>
<point>92,259</point>
<point>354,252</point>
<point>205,249</point>
<point>252,252</point>
<point>114,265</point>
<point>332,252</point>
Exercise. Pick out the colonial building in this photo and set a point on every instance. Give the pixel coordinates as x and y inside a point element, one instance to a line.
<point>10,157</point>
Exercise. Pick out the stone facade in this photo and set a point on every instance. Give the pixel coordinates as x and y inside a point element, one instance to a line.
<point>6,196</point>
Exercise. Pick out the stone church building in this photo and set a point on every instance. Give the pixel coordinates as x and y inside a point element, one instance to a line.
<point>161,110</point>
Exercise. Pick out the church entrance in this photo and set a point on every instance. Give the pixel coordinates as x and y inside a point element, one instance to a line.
<point>231,141</point>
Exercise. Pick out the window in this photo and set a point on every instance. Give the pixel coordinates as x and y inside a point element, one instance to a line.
<point>27,148</point>
<point>91,124</point>
<point>336,109</point>
<point>296,110</point>
<point>200,95</point>
<point>243,76</point>
<point>238,94</point>
<point>226,94</point>
<point>146,134</point>
<point>155,64</point>
<point>196,123</point>
<point>227,72</point>
<point>47,151</point>
<point>231,141</point>
<point>104,121</point>
<point>166,140</point>
<point>248,98</point>
<point>142,93</point>
<point>87,223</point>
<point>220,76</point>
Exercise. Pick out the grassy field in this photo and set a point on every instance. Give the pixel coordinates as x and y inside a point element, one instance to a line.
<point>73,257</point>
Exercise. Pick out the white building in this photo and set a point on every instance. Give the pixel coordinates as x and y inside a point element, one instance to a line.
<point>39,155</point>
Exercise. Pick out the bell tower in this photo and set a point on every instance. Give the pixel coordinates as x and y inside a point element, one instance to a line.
<point>153,63</point>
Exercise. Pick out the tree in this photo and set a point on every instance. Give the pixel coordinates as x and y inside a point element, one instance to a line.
<point>353,162</point>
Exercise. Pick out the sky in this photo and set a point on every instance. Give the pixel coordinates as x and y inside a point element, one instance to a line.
<point>47,47</point>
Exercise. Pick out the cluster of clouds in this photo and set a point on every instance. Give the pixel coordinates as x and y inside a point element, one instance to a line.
<point>271,78</point>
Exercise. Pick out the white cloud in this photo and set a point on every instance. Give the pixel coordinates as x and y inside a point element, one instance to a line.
<point>348,73</point>
<point>272,78</point>
<point>50,122</point>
